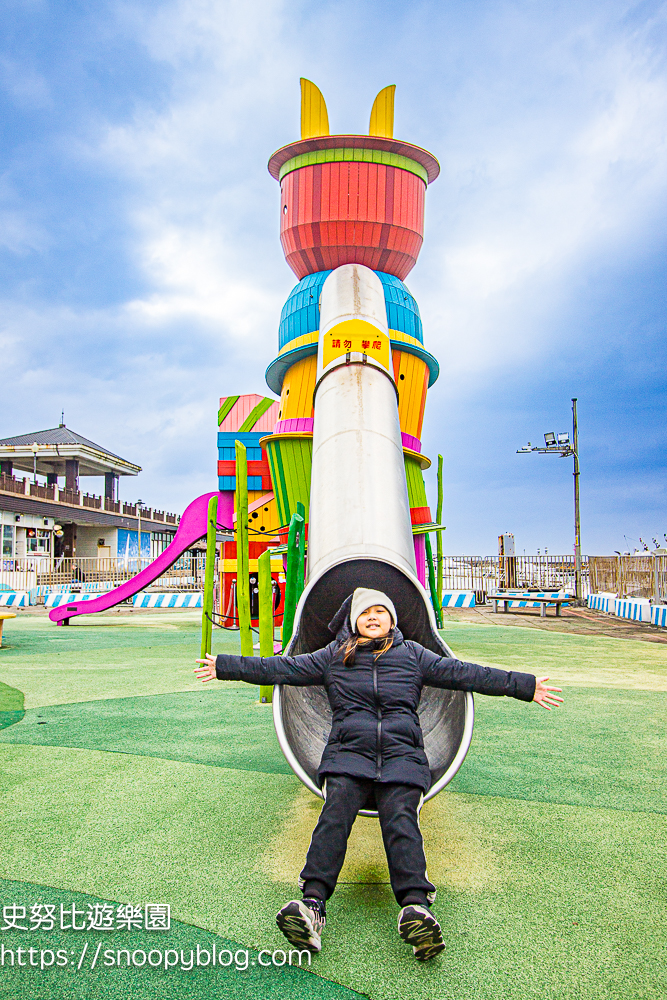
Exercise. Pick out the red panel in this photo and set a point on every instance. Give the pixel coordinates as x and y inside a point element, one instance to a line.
<point>420,515</point>
<point>228,468</point>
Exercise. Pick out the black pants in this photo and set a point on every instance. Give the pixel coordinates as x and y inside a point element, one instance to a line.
<point>397,807</point>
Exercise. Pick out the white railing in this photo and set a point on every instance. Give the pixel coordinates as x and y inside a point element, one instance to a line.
<point>484,574</point>
<point>75,498</point>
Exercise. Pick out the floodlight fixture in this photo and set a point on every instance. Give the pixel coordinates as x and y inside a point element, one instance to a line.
<point>561,444</point>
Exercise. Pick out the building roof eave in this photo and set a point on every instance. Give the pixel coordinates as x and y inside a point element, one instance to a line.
<point>92,461</point>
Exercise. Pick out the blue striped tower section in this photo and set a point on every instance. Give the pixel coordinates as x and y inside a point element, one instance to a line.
<point>291,375</point>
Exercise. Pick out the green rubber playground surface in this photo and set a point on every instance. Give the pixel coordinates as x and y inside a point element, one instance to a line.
<point>125,781</point>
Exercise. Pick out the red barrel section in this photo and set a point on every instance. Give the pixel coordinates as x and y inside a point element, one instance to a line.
<point>352,213</point>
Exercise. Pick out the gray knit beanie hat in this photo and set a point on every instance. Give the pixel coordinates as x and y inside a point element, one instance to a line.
<point>363,598</point>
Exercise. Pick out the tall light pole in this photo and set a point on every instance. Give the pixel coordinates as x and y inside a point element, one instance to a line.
<point>559,444</point>
<point>577,519</point>
<point>34,448</point>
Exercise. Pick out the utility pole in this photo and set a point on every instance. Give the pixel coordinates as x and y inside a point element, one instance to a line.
<point>559,444</point>
<point>577,518</point>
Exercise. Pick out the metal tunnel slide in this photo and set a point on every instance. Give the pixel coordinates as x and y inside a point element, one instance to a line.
<point>360,533</point>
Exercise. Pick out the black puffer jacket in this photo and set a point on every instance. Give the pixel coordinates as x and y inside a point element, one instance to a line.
<point>375,731</point>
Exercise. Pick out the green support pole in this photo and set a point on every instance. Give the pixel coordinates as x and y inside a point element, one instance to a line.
<point>209,578</point>
<point>265,619</point>
<point>296,530</point>
<point>301,566</point>
<point>438,537</point>
<point>431,581</point>
<point>242,552</point>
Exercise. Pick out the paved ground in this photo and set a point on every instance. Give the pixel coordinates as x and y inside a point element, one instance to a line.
<point>575,621</point>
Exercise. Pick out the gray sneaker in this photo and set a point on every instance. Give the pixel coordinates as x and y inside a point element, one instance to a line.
<point>302,922</point>
<point>417,926</point>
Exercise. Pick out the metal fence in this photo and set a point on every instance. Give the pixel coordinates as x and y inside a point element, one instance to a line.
<point>484,574</point>
<point>627,576</point>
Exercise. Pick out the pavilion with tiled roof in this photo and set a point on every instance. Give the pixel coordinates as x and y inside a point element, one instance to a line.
<point>59,451</point>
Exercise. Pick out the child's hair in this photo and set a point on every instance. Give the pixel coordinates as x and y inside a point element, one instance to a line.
<point>350,647</point>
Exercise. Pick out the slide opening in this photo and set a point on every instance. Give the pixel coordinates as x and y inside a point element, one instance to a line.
<point>303,716</point>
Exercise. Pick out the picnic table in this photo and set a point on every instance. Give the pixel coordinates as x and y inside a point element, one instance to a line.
<point>505,599</point>
<point>3,615</point>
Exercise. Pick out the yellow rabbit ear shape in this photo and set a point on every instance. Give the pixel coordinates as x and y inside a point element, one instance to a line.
<point>314,117</point>
<point>382,115</point>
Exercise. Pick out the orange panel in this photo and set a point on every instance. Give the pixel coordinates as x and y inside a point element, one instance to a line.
<point>296,399</point>
<point>411,375</point>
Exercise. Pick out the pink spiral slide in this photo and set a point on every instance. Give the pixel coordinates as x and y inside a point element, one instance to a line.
<point>191,528</point>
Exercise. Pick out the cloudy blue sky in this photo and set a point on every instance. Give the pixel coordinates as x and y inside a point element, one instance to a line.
<point>142,276</point>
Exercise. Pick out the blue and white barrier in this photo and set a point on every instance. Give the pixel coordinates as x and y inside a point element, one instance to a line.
<point>54,600</point>
<point>191,600</point>
<point>100,587</point>
<point>659,615</point>
<point>14,599</point>
<point>458,599</point>
<point>602,602</point>
<point>637,609</point>
<point>524,599</point>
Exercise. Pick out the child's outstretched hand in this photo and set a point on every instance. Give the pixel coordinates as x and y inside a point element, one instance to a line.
<point>542,694</point>
<point>206,672</point>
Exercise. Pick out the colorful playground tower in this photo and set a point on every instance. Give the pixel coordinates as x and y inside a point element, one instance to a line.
<point>247,419</point>
<point>344,199</point>
<point>348,199</point>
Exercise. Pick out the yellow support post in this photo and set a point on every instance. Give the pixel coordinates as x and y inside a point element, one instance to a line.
<point>265,619</point>
<point>242,551</point>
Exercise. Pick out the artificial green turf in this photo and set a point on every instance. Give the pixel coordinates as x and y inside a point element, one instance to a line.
<point>570,904</point>
<point>11,705</point>
<point>551,883</point>
<point>111,978</point>
<point>577,659</point>
<point>604,747</point>
<point>54,665</point>
<point>223,725</point>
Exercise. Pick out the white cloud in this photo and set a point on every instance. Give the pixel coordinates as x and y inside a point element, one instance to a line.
<point>549,124</point>
<point>541,200</point>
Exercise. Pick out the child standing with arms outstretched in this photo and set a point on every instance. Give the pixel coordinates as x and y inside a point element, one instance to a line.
<point>373,677</point>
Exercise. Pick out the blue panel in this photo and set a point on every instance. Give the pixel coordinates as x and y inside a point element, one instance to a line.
<point>301,312</point>
<point>229,483</point>
<point>229,454</point>
<point>250,439</point>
